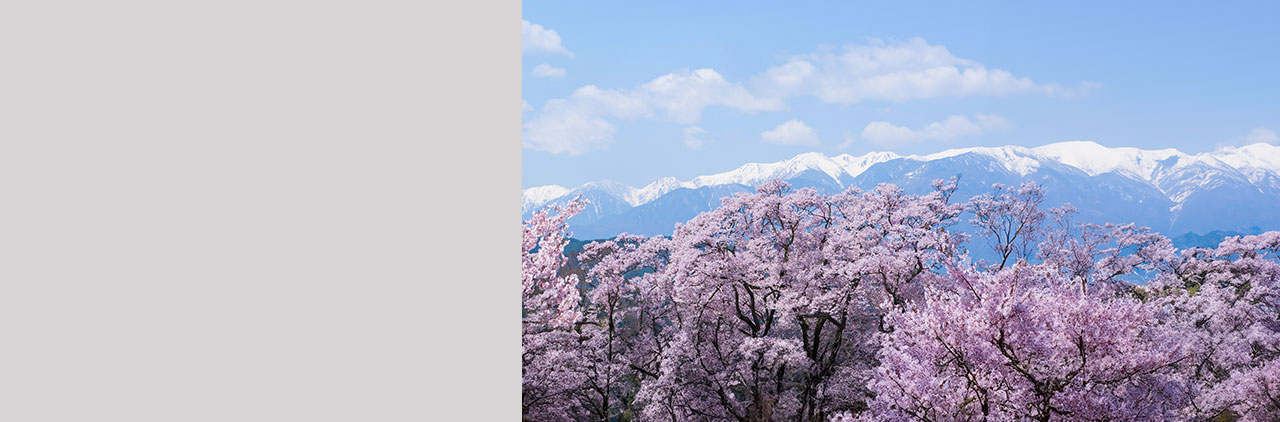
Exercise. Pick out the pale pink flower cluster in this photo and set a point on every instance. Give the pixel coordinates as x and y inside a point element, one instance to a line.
<point>550,298</point>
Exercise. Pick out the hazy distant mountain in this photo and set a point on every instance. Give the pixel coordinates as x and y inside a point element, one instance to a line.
<point>1232,190</point>
<point>1210,239</point>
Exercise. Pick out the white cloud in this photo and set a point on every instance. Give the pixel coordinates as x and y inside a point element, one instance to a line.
<point>895,72</point>
<point>565,126</point>
<point>535,38</point>
<point>693,137</point>
<point>547,71</point>
<point>525,107</point>
<point>793,132</point>
<point>1261,135</point>
<point>581,122</point>
<point>681,96</point>
<point>888,134</point>
<point>848,141</point>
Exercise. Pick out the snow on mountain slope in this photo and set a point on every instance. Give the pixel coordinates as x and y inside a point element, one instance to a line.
<point>1259,162</point>
<point>1261,156</point>
<point>1016,159</point>
<point>1190,174</point>
<point>1096,159</point>
<point>752,174</point>
<point>538,195</point>
<point>853,166</point>
<point>1178,175</point>
<point>616,189</point>
<point>656,189</point>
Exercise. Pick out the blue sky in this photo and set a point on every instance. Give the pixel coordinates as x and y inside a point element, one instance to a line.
<point>634,91</point>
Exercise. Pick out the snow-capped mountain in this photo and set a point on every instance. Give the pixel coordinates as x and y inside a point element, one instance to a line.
<point>536,196</point>
<point>1166,189</point>
<point>750,174</point>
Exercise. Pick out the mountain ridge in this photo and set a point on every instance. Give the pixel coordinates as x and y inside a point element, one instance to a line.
<point>1205,191</point>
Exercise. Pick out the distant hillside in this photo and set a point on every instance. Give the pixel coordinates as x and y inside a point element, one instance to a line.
<point>1210,239</point>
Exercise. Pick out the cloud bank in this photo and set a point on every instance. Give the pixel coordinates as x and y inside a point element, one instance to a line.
<point>877,71</point>
<point>889,134</point>
<point>580,123</point>
<point>895,72</point>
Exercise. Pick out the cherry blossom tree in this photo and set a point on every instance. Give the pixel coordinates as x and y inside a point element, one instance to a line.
<point>1009,219</point>
<point>552,359</point>
<point>554,368</point>
<point>895,240</point>
<point>1025,343</point>
<point>548,297</point>
<point>778,295</point>
<point>1103,254</point>
<point>731,271</point>
<point>885,246</point>
<point>623,323</point>
<point>1228,306</point>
